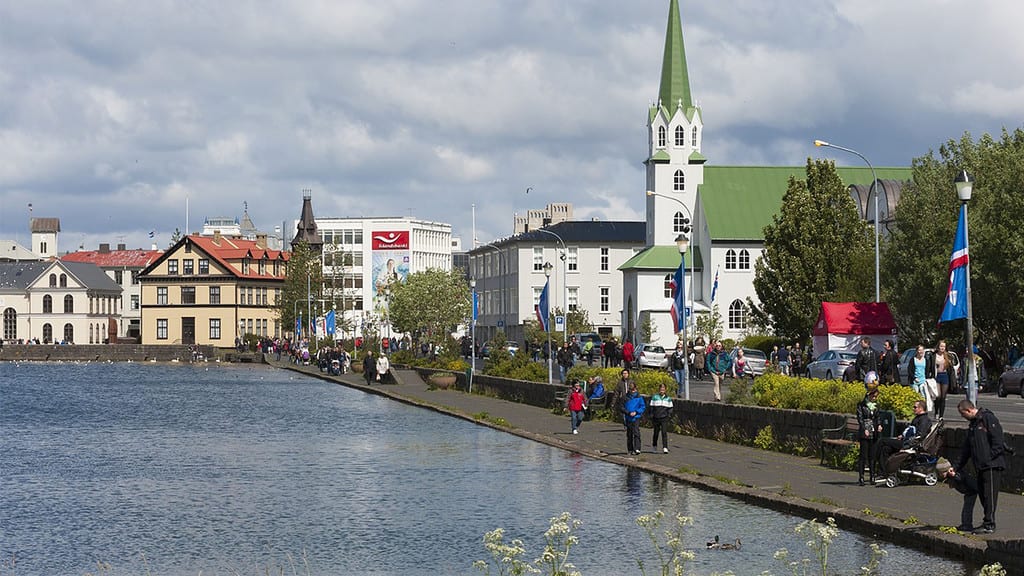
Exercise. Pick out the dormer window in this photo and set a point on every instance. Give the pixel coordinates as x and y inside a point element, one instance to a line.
<point>680,136</point>
<point>245,266</point>
<point>661,136</point>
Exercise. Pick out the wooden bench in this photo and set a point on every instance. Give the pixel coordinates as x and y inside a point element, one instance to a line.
<point>840,438</point>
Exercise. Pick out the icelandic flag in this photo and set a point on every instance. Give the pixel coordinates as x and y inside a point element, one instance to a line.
<point>714,287</point>
<point>298,326</point>
<point>542,308</point>
<point>678,299</point>
<point>152,233</point>
<point>956,294</point>
<point>330,324</point>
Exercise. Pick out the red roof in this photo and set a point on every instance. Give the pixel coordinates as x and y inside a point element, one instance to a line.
<point>227,250</point>
<point>854,318</point>
<point>114,258</point>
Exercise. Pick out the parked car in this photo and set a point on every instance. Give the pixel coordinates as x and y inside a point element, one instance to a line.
<point>512,348</point>
<point>831,364</point>
<point>651,356</point>
<point>756,360</point>
<point>485,350</point>
<point>1010,379</point>
<point>955,387</point>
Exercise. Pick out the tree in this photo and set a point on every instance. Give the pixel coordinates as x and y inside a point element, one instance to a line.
<point>434,302</point>
<point>919,248</point>
<point>816,249</point>
<point>708,324</point>
<point>303,281</point>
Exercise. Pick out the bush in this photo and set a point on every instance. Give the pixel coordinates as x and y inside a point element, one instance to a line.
<point>787,392</point>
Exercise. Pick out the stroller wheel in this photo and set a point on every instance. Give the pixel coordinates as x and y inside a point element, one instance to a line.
<point>931,479</point>
<point>892,481</point>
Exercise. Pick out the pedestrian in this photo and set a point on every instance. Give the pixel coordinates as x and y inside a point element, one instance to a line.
<point>889,364</point>
<point>867,359</point>
<point>985,446</point>
<point>661,414</point>
<point>627,354</point>
<point>739,365</point>
<point>577,404</point>
<point>564,357</point>
<point>867,433</point>
<point>783,356</point>
<point>369,367</point>
<point>588,351</point>
<point>917,370</point>
<point>678,364</point>
<point>940,367</point>
<point>700,348</point>
<point>632,410</point>
<point>383,369</point>
<point>622,390</point>
<point>796,359</point>
<point>718,364</point>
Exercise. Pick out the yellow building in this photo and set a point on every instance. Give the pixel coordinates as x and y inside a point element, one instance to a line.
<point>212,290</point>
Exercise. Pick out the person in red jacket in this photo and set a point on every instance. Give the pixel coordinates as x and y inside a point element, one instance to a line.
<point>577,405</point>
<point>627,354</point>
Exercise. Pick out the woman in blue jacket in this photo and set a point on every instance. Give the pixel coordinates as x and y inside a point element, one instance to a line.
<point>632,410</point>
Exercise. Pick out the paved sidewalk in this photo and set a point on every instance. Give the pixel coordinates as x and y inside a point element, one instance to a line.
<point>792,484</point>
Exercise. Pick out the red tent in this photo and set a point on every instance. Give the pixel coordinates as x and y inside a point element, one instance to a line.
<point>841,325</point>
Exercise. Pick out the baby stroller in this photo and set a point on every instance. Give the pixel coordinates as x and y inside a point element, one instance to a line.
<point>918,460</point>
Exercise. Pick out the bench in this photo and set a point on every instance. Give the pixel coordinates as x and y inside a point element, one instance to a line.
<point>840,438</point>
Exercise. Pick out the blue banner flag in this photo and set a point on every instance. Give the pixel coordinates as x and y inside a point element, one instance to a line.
<point>476,304</point>
<point>678,299</point>
<point>714,287</point>
<point>298,326</point>
<point>312,327</point>
<point>959,261</point>
<point>542,308</point>
<point>330,321</point>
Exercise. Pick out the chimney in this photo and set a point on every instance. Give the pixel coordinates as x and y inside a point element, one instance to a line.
<point>104,248</point>
<point>120,246</point>
<point>216,237</point>
<point>261,240</point>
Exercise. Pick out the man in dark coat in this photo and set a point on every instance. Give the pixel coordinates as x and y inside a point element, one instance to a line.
<point>369,367</point>
<point>985,447</point>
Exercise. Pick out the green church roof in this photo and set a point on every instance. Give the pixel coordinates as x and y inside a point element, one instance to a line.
<point>663,258</point>
<point>739,201</point>
<point>675,81</point>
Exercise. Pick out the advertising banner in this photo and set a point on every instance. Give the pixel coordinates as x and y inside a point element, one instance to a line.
<point>390,261</point>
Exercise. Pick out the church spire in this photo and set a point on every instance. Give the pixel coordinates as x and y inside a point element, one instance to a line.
<point>675,81</point>
<point>307,226</point>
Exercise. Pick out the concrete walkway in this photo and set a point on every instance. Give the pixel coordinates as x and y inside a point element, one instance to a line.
<point>909,515</point>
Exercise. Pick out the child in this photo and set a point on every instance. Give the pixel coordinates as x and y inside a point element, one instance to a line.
<point>577,404</point>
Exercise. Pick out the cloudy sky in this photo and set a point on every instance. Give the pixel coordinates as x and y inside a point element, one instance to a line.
<point>113,113</point>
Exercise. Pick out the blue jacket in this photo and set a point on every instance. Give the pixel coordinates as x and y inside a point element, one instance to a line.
<point>598,391</point>
<point>634,403</point>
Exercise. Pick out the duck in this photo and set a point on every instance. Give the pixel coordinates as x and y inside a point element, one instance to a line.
<point>728,546</point>
<point>713,544</point>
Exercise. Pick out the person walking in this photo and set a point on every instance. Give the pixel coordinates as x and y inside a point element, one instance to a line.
<point>564,357</point>
<point>889,364</point>
<point>718,364</point>
<point>783,356</point>
<point>678,363</point>
<point>917,370</point>
<point>661,414</point>
<point>632,410</point>
<point>867,433</point>
<point>369,367</point>
<point>796,360</point>
<point>985,446</point>
<point>867,359</point>
<point>577,405</point>
<point>622,390</point>
<point>700,350</point>
<point>383,369</point>
<point>627,354</point>
<point>940,367</point>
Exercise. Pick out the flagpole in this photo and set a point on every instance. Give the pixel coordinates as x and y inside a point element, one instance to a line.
<point>547,319</point>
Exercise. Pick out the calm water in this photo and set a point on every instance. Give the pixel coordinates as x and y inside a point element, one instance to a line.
<point>176,470</point>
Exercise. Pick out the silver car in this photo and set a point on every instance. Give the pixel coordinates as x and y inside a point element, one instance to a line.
<point>651,356</point>
<point>756,361</point>
<point>831,364</point>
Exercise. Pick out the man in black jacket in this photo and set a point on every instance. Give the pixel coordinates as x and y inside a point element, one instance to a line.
<point>912,435</point>
<point>867,359</point>
<point>985,447</point>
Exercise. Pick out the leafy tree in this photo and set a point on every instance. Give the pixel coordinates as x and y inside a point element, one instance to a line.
<point>303,281</point>
<point>709,325</point>
<point>647,329</point>
<point>433,301</point>
<point>917,256</point>
<point>816,249</point>
<point>175,237</point>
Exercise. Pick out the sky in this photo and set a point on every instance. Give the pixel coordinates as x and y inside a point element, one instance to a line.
<point>115,116</point>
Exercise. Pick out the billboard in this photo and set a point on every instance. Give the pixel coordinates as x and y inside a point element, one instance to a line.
<point>390,261</point>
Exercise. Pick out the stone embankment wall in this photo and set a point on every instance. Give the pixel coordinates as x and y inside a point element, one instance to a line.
<point>100,353</point>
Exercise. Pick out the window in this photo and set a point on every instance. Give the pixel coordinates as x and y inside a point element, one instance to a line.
<point>172,267</point>
<point>69,304</point>
<point>186,267</point>
<point>188,294</point>
<point>574,298</point>
<point>204,266</point>
<point>47,304</point>
<point>248,292</point>
<point>47,333</point>
<point>357,258</point>
<point>63,280</point>
<point>188,247</point>
<point>661,136</point>
<point>135,301</point>
<point>536,294</point>
<point>42,247</point>
<point>668,286</point>
<point>10,324</point>
<point>744,260</point>
<point>538,259</point>
<point>604,258</point>
<point>161,328</point>
<point>161,295</point>
<point>680,223</point>
<point>357,237</point>
<point>730,260</point>
<point>214,294</point>
<point>693,140</point>
<point>135,277</point>
<point>69,333</point>
<point>53,280</point>
<point>605,298</point>
<point>214,328</point>
<point>263,267</point>
<point>277,267</point>
<point>679,181</point>
<point>119,276</point>
<point>574,258</point>
<point>680,136</point>
<point>737,316</point>
<point>245,266</point>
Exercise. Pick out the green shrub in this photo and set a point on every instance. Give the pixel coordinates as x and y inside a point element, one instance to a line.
<point>765,439</point>
<point>787,392</point>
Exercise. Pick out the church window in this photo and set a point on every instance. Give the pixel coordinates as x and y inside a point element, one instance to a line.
<point>730,260</point>
<point>744,260</point>
<point>737,315</point>
<point>679,181</point>
<point>661,136</point>
<point>680,223</point>
<point>693,137</point>
<point>680,136</point>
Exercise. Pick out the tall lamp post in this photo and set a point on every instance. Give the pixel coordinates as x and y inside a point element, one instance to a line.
<point>875,185</point>
<point>964,187</point>
<point>547,276</point>
<point>683,242</point>
<point>472,332</point>
<point>565,285</point>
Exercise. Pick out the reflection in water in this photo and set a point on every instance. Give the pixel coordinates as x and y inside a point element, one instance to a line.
<point>229,470</point>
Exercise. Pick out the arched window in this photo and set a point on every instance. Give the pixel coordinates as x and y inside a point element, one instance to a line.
<point>680,223</point>
<point>47,304</point>
<point>53,280</point>
<point>92,332</point>
<point>69,304</point>
<point>680,136</point>
<point>679,181</point>
<point>730,259</point>
<point>47,333</point>
<point>744,260</point>
<point>10,324</point>
<point>63,280</point>
<point>694,137</point>
<point>737,316</point>
<point>69,333</point>
<point>661,136</point>
<point>668,285</point>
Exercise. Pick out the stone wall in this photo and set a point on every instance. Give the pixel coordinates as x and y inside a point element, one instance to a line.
<point>100,353</point>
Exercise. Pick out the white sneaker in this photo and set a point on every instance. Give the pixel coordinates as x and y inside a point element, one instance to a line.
<point>665,450</point>
<point>575,432</point>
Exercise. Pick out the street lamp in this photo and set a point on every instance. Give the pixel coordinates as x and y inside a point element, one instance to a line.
<point>547,276</point>
<point>472,333</point>
<point>875,184</point>
<point>565,285</point>
<point>683,242</point>
<point>964,187</point>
